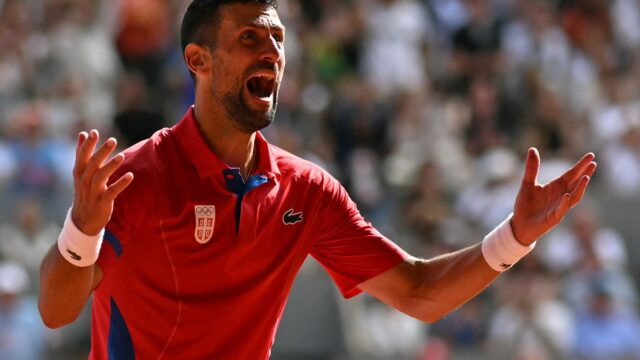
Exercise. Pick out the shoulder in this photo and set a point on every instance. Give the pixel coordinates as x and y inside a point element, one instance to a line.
<point>310,181</point>
<point>143,158</point>
<point>302,172</point>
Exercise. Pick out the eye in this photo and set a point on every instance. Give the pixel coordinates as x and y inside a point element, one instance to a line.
<point>278,37</point>
<point>249,36</point>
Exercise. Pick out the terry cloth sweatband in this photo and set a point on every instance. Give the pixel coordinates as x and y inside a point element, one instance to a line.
<point>76,247</point>
<point>500,248</point>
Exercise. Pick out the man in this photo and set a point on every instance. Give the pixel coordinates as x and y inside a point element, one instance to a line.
<point>207,223</point>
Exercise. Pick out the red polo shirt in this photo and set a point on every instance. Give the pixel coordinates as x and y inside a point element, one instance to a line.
<point>198,265</point>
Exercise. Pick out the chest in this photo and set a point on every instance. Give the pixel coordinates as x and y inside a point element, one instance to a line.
<point>212,239</point>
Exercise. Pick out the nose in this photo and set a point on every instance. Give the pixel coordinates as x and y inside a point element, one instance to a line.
<point>272,51</point>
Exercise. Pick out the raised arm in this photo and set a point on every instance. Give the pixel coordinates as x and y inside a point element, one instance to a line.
<point>65,287</point>
<point>430,289</point>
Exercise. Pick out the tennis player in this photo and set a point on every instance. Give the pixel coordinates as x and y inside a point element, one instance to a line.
<point>190,241</point>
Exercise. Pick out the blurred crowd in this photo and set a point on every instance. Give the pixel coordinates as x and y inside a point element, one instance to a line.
<point>423,109</point>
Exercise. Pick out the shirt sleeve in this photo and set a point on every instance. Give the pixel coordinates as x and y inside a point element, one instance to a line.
<point>348,247</point>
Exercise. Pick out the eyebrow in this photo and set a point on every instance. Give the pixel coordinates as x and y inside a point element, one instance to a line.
<point>261,24</point>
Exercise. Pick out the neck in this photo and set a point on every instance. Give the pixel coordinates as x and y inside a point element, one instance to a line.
<point>235,148</point>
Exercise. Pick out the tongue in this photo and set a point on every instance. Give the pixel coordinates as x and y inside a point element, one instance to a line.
<point>260,87</point>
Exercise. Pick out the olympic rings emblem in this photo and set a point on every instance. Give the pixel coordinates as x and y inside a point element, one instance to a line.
<point>204,210</point>
<point>205,216</point>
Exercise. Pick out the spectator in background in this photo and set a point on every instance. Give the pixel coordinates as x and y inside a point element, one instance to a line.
<point>393,55</point>
<point>535,44</point>
<point>531,322</point>
<point>626,26</point>
<point>464,330</point>
<point>363,167</point>
<point>134,122</point>
<point>604,331</point>
<point>540,59</point>
<point>427,127</point>
<point>358,120</point>
<point>22,334</point>
<point>477,45</point>
<point>588,25</point>
<point>550,124</point>
<point>496,182</point>
<point>622,159</point>
<point>27,238</point>
<point>619,111</point>
<point>29,147</point>
<point>449,15</point>
<point>378,332</point>
<point>17,70</point>
<point>143,39</point>
<point>333,50</point>
<point>428,206</point>
<point>100,66</point>
<point>586,237</point>
<point>589,252</point>
<point>491,124</point>
<point>79,44</point>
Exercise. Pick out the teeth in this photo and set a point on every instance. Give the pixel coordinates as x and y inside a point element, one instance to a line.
<point>267,77</point>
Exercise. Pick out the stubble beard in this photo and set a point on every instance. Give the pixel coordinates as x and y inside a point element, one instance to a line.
<point>242,117</point>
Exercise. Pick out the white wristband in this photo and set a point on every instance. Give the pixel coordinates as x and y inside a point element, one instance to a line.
<point>500,248</point>
<point>76,247</point>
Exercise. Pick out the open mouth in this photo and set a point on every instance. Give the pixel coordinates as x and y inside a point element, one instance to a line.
<point>262,85</point>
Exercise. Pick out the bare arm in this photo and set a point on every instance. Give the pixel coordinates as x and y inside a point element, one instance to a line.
<point>65,288</point>
<point>429,289</point>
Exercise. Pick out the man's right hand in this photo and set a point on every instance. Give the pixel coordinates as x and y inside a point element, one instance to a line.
<point>93,199</point>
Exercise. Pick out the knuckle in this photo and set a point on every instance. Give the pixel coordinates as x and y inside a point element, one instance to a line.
<point>85,181</point>
<point>99,173</point>
<point>102,174</point>
<point>91,167</point>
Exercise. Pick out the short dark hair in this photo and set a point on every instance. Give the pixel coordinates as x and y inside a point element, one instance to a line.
<point>201,14</point>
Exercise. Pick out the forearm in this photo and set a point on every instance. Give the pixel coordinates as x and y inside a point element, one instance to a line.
<point>429,289</point>
<point>64,289</point>
<point>448,281</point>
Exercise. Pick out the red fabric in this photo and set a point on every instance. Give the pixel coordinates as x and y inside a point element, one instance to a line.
<point>585,26</point>
<point>222,299</point>
<point>145,26</point>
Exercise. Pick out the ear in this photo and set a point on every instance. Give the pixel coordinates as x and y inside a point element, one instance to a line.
<point>198,59</point>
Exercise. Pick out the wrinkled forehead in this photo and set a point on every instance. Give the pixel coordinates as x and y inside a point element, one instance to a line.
<point>251,14</point>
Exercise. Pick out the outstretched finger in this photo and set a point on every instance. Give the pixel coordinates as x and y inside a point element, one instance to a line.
<point>118,186</point>
<point>531,167</point>
<point>578,168</point>
<point>588,171</point>
<point>102,174</point>
<point>100,156</point>
<point>86,146</point>
<point>578,192</point>
<point>82,137</point>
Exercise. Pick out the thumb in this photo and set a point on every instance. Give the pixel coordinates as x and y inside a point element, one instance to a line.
<point>531,167</point>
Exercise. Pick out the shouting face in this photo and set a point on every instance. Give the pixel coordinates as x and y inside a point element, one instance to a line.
<point>247,63</point>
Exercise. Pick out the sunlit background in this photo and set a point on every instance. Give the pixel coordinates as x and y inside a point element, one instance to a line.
<point>423,109</point>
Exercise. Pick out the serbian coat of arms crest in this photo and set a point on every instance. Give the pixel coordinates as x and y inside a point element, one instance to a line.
<point>205,221</point>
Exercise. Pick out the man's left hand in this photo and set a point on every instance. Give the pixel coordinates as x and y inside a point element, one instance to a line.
<point>539,208</point>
